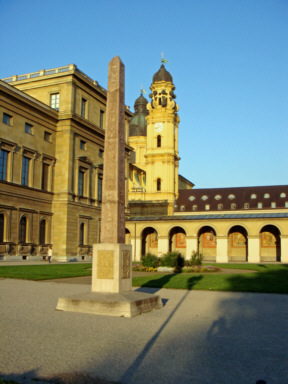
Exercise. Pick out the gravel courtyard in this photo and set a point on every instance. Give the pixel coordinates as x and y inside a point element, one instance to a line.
<point>199,337</point>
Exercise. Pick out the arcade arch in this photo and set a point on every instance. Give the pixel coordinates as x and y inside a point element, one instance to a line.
<point>207,243</point>
<point>177,240</point>
<point>149,241</point>
<point>270,244</point>
<point>237,244</point>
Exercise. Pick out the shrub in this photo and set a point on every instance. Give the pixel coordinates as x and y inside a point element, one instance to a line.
<point>135,267</point>
<point>172,259</point>
<point>196,258</point>
<point>150,261</point>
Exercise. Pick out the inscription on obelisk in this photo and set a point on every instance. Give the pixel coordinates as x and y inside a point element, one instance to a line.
<point>113,200</point>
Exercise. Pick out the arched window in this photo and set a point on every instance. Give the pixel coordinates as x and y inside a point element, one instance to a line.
<point>81,234</point>
<point>159,141</point>
<point>23,229</point>
<point>43,232</point>
<point>1,227</point>
<point>158,184</point>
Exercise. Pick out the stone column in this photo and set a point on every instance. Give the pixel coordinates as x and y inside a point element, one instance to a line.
<point>222,249</point>
<point>162,245</point>
<point>284,248</point>
<point>191,245</point>
<point>253,249</point>
<point>136,248</point>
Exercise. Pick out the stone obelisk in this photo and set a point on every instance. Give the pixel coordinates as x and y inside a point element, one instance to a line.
<point>113,200</point>
<point>111,292</point>
<point>112,257</point>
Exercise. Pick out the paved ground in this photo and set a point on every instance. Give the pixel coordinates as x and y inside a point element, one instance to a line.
<point>198,337</point>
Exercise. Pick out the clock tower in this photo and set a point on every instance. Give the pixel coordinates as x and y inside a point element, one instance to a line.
<point>162,159</point>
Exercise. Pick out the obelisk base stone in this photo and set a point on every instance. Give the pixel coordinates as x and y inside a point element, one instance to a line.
<point>124,304</point>
<point>111,268</point>
<point>112,292</point>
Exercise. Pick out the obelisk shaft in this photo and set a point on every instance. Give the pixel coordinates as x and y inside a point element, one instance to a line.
<point>113,195</point>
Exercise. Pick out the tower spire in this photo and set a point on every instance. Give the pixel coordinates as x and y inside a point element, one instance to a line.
<point>163,60</point>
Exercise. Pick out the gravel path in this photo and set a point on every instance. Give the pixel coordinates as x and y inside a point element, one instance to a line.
<point>199,337</point>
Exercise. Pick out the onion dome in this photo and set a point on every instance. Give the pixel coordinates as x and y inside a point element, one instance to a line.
<point>138,123</point>
<point>162,75</point>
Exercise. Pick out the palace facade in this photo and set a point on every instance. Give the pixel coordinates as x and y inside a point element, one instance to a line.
<point>51,167</point>
<point>51,164</point>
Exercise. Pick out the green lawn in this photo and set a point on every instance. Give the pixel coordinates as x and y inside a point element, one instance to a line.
<point>269,278</point>
<point>46,271</point>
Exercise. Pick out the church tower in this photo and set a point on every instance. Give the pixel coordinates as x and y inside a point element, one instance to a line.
<point>162,159</point>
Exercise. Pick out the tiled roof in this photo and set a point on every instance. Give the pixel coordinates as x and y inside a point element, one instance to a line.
<point>226,199</point>
<point>227,216</point>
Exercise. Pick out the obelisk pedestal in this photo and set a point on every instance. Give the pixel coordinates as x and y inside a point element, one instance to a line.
<point>111,291</point>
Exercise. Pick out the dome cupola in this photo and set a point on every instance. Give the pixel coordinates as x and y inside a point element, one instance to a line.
<point>138,124</point>
<point>162,75</point>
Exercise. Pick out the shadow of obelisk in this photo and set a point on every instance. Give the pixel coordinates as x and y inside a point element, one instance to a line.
<point>111,292</point>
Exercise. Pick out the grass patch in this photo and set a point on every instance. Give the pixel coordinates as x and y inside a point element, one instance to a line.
<point>45,272</point>
<point>270,278</point>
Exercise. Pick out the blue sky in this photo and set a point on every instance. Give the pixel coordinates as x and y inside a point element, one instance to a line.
<point>228,59</point>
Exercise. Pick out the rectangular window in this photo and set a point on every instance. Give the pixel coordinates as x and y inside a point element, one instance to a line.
<point>273,204</point>
<point>1,227</point>
<point>194,208</point>
<point>54,101</point>
<point>246,205</point>
<point>45,176</point>
<point>101,152</point>
<point>7,119</point>
<point>286,204</point>
<point>3,164</point>
<point>220,207</point>
<point>233,206</point>
<point>182,208</point>
<point>99,193</point>
<point>25,170</point>
<point>101,119</point>
<point>47,136</point>
<point>207,207</point>
<point>81,177</point>
<point>83,107</point>
<point>83,145</point>
<point>28,128</point>
<point>23,230</point>
<point>260,205</point>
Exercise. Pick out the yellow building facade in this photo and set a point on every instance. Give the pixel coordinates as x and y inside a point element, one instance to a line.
<point>51,167</point>
<point>224,225</point>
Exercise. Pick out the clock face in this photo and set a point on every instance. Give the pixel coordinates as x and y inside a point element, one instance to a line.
<point>158,127</point>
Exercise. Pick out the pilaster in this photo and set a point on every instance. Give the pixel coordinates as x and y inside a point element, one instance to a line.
<point>253,249</point>
<point>222,249</point>
<point>191,245</point>
<point>284,248</point>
